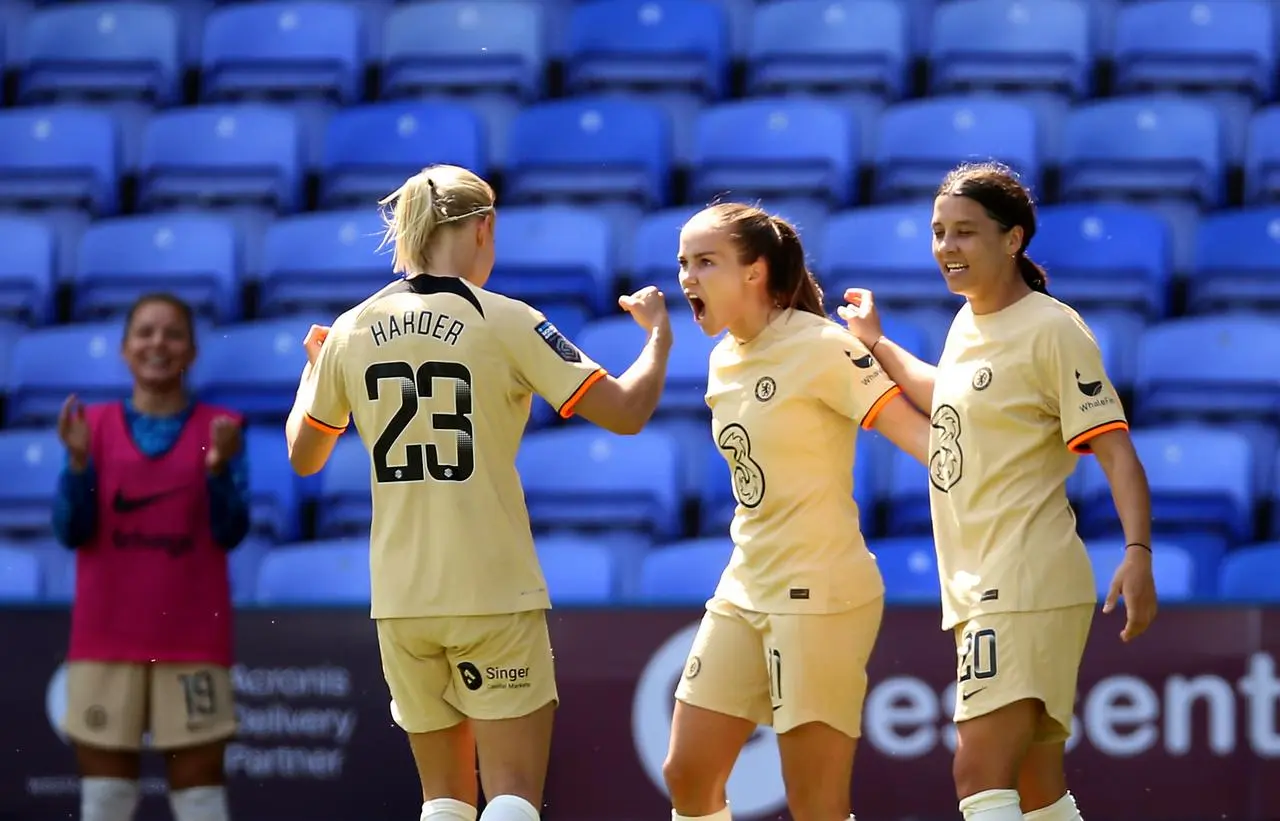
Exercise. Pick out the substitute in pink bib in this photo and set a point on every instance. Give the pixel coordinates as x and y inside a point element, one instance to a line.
<point>152,584</point>
<point>153,497</point>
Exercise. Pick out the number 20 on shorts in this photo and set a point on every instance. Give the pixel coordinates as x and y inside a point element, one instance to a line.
<point>978,656</point>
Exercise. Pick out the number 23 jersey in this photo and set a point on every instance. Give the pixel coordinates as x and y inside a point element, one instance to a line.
<point>1019,393</point>
<point>438,376</point>
<point>786,408</point>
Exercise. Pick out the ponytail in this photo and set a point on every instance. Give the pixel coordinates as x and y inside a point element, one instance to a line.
<point>792,282</point>
<point>1032,274</point>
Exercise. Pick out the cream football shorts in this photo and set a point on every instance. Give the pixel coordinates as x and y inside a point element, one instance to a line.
<point>782,670</point>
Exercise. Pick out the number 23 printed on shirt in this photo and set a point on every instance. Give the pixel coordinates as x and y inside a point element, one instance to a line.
<point>414,387</point>
<point>748,477</point>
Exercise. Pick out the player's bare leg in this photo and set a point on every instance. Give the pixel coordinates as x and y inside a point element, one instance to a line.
<point>1042,784</point>
<point>446,761</point>
<point>197,790</point>
<point>513,764</point>
<point>817,767</point>
<point>108,783</point>
<point>990,750</point>
<point>704,746</point>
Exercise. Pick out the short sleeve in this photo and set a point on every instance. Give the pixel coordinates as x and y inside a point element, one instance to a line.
<point>1079,389</point>
<point>850,380</point>
<point>330,408</point>
<point>546,361</point>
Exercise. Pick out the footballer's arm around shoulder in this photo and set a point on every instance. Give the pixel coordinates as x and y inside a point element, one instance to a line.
<point>625,404</point>
<point>905,426</point>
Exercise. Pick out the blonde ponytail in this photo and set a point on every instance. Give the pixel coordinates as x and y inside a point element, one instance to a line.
<point>414,213</point>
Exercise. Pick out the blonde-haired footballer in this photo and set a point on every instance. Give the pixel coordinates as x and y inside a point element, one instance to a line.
<point>438,373</point>
<point>786,637</point>
<point>1019,392</point>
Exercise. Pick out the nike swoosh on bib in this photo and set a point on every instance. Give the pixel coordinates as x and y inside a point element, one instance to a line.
<point>129,504</point>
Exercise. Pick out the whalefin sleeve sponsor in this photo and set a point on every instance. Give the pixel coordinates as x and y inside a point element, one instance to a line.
<point>1076,384</point>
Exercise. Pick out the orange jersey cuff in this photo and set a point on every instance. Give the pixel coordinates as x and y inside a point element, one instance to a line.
<point>869,420</point>
<point>566,410</point>
<point>323,427</point>
<point>1080,443</point>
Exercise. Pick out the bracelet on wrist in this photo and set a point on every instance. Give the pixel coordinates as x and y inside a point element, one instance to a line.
<point>1145,547</point>
<point>872,349</point>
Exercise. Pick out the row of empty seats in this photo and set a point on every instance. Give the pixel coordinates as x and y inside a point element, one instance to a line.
<point>582,572</point>
<point>1100,257</point>
<point>321,47</point>
<point>624,148</point>
<point>632,491</point>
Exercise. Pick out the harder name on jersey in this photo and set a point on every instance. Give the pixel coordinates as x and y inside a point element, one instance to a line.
<point>423,323</point>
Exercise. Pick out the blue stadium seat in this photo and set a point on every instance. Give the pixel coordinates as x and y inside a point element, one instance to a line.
<point>848,46</point>
<point>27,267</point>
<point>590,148</point>
<point>921,140</point>
<point>909,567</point>
<point>654,250</point>
<point>10,333</point>
<point>1154,147</point>
<point>491,47</point>
<point>32,460</point>
<point>190,255</point>
<point>409,135</point>
<point>316,573</point>
<point>59,157</point>
<point>1106,256</point>
<point>578,478</point>
<point>324,262</point>
<point>1237,261</point>
<point>100,51</point>
<point>885,248</point>
<point>616,341</point>
<point>1181,44</point>
<point>684,573</point>
<point>241,155</point>
<point>665,45</point>
<point>1262,157</point>
<point>575,268</point>
<point>1202,493</point>
<point>1238,378</point>
<point>345,504</point>
<point>310,49</point>
<point>907,497</point>
<point>774,148</point>
<point>1250,574</point>
<point>907,333</point>
<point>577,570</point>
<point>242,568</point>
<point>254,367</point>
<point>1171,565</point>
<point>1007,44</point>
<point>273,489</point>
<point>20,581</point>
<point>50,364</point>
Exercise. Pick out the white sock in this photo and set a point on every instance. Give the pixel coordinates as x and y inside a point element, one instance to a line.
<point>509,808</point>
<point>199,804</point>
<point>721,815</point>
<point>447,809</point>
<point>992,805</point>
<point>108,799</point>
<point>1064,809</point>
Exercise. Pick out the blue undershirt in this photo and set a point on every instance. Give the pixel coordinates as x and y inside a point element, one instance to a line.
<point>75,509</point>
